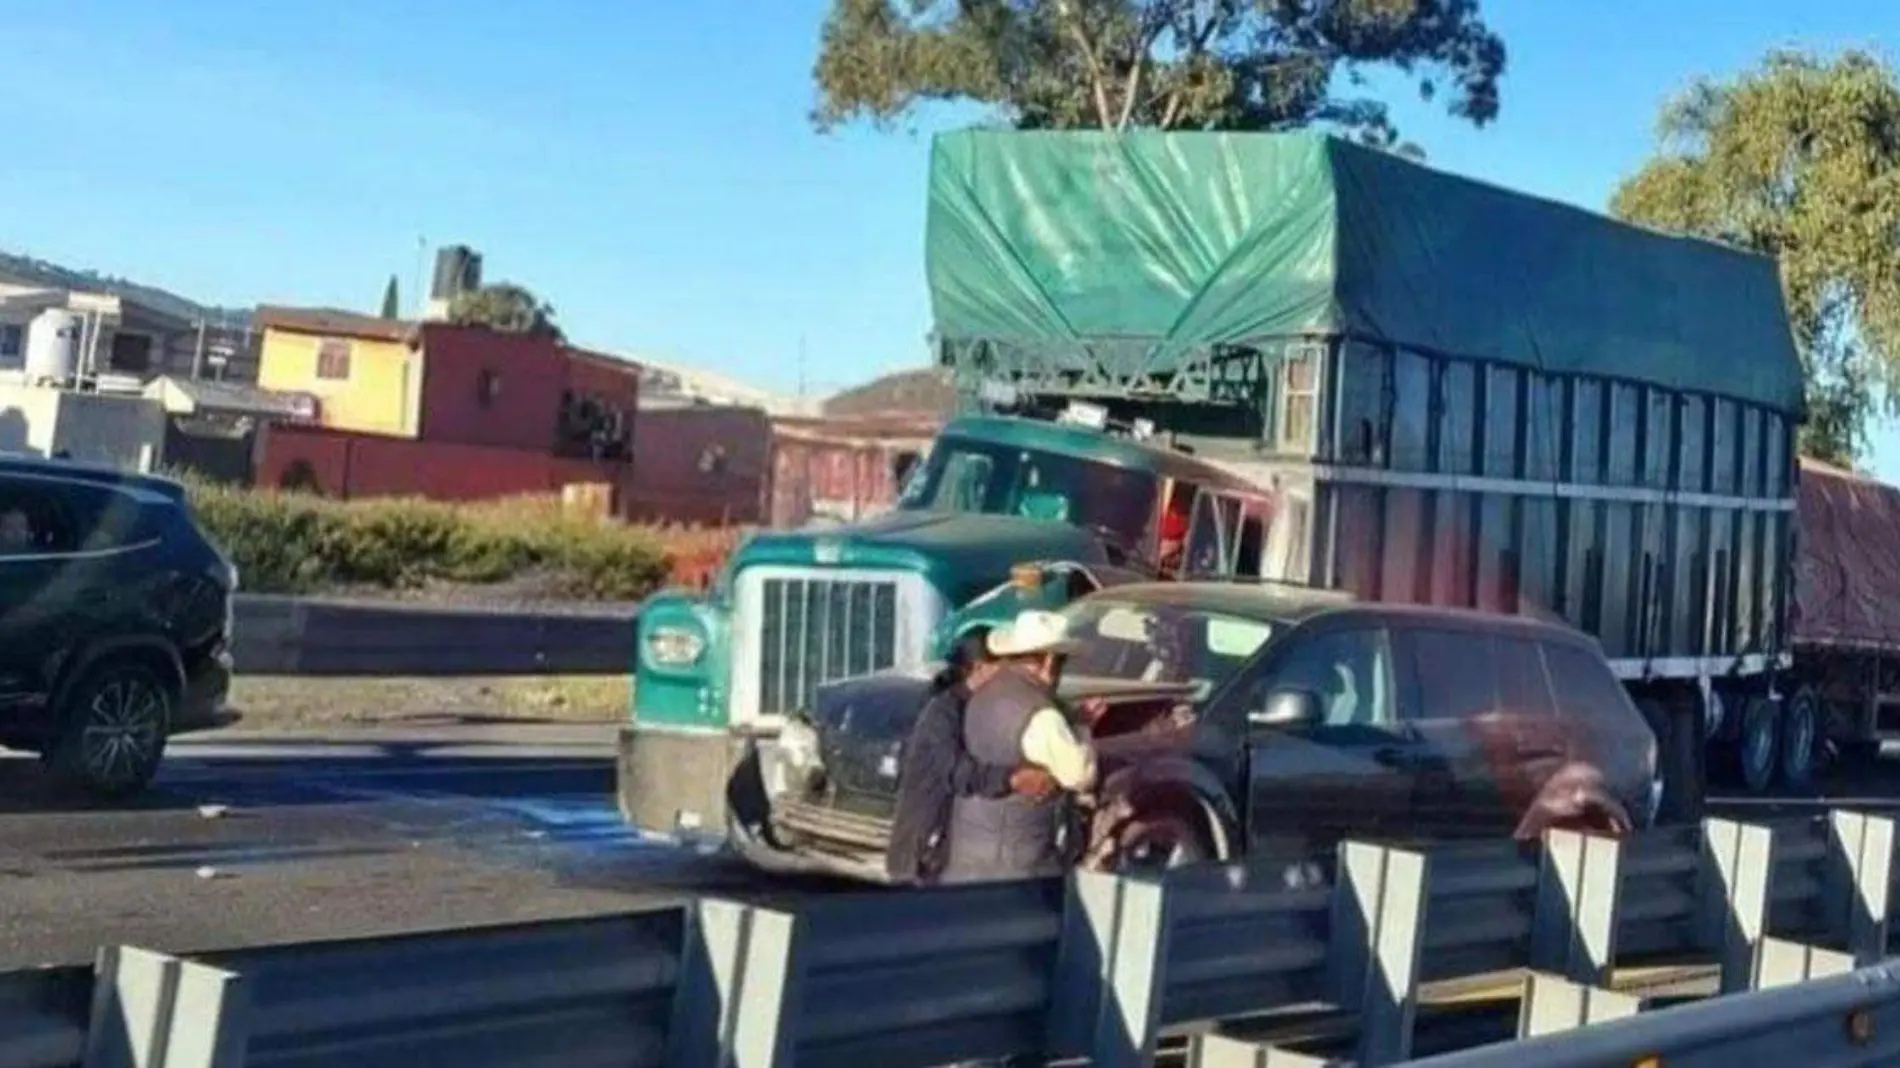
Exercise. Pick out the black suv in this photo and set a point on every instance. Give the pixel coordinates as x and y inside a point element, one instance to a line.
<point>115,618</point>
<point>1240,718</point>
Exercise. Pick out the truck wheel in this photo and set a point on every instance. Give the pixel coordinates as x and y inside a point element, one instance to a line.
<point>112,729</point>
<point>1679,759</point>
<point>1758,748</point>
<point>1800,737</point>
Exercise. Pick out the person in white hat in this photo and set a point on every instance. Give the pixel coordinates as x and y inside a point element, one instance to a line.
<point>1013,719</point>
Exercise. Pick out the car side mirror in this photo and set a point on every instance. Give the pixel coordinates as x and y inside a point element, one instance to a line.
<point>1287,709</point>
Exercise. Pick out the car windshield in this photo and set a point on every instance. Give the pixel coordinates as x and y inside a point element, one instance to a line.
<point>1161,643</point>
<point>967,475</point>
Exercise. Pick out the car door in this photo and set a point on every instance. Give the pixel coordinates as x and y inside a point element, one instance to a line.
<point>36,544</point>
<point>1482,718</point>
<point>1344,775</point>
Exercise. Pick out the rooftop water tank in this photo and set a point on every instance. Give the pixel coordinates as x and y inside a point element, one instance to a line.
<point>52,346</point>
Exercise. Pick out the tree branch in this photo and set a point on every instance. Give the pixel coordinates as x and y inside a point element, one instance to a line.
<point>1065,10</point>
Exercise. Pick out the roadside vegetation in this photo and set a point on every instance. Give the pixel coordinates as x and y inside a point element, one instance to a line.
<point>531,548</point>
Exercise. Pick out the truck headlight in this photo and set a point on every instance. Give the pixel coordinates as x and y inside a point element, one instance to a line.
<point>674,646</point>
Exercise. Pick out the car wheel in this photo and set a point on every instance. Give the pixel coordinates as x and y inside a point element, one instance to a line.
<point>1160,842</point>
<point>1758,751</point>
<point>112,730</point>
<point>1800,738</point>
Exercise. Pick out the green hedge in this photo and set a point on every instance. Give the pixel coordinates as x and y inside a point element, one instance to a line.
<point>297,543</point>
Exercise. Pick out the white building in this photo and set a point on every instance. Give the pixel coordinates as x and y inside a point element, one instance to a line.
<point>120,340</point>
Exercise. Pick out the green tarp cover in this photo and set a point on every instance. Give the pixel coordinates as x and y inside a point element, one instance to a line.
<point>1191,240</point>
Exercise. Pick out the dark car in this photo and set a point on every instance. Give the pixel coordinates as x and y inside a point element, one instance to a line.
<point>115,619</point>
<point>1247,717</point>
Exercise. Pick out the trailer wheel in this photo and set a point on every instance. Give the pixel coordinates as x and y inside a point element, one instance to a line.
<point>1758,748</point>
<point>1800,737</point>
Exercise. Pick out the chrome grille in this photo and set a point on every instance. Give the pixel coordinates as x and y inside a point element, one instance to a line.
<point>814,630</point>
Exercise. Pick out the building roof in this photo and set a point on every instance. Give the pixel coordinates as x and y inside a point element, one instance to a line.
<point>334,322</point>
<point>922,390</point>
<point>666,385</point>
<point>190,396</point>
<point>607,360</point>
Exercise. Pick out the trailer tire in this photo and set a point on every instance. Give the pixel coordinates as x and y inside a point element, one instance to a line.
<point>1800,738</point>
<point>1758,744</point>
<point>1679,759</point>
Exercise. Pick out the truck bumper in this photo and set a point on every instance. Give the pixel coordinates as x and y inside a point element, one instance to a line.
<point>674,782</point>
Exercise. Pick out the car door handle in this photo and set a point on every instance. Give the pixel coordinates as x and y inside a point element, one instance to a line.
<point>1395,756</point>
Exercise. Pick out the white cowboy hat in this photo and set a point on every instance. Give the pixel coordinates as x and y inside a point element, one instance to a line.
<point>1033,633</point>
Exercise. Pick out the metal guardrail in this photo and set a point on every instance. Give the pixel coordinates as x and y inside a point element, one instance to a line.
<point>301,636</point>
<point>1093,966</point>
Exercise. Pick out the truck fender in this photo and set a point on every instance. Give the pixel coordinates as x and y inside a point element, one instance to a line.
<point>1180,783</point>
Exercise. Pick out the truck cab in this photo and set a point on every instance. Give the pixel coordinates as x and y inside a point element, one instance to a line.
<point>1005,513</point>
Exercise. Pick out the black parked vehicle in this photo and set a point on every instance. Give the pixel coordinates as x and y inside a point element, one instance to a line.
<point>115,621</point>
<point>1245,717</point>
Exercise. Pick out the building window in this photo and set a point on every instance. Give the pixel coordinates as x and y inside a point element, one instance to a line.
<point>488,387</point>
<point>1299,399</point>
<point>12,340</point>
<point>131,353</point>
<point>333,359</point>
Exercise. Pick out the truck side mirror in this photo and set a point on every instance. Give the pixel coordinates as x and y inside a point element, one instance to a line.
<point>1287,708</point>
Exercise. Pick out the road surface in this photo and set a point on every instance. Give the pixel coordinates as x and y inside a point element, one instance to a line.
<point>257,838</point>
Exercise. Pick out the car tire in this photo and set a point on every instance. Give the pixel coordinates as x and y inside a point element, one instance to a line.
<point>1161,841</point>
<point>1800,741</point>
<point>113,722</point>
<point>1758,744</point>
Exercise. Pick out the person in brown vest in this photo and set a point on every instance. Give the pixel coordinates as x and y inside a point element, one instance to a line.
<point>1011,720</point>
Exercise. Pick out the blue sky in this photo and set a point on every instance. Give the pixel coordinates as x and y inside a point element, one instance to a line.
<point>648,166</point>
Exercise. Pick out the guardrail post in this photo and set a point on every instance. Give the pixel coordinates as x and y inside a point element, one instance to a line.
<point>1552,1003</point>
<point>1221,1051</point>
<point>1738,870</point>
<point>737,1002</point>
<point>151,1010</point>
<point>1859,871</point>
<point>1111,969</point>
<point>1378,932</point>
<point>1573,931</point>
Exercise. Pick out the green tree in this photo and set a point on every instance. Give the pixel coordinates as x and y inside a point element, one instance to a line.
<point>506,307</point>
<point>1800,158</point>
<point>1172,64</point>
<point>392,305</point>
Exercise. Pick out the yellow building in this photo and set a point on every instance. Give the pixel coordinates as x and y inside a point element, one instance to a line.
<point>366,373</point>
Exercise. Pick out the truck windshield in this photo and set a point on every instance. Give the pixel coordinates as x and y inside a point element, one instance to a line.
<point>1160,643</point>
<point>965,475</point>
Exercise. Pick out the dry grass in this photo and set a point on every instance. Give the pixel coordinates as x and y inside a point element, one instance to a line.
<point>272,702</point>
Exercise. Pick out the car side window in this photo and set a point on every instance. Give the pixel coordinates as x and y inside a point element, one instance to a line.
<point>1522,685</point>
<point>33,521</point>
<point>1348,671</point>
<point>1583,684</point>
<point>1457,674</point>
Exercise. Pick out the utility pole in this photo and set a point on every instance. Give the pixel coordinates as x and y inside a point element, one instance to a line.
<point>801,369</point>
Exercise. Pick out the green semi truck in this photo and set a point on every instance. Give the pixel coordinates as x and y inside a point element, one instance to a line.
<point>1284,358</point>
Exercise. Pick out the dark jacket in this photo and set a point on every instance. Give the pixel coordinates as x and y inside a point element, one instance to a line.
<point>934,769</point>
<point>1012,836</point>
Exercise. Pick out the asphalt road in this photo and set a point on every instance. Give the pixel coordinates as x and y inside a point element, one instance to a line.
<point>252,839</point>
<point>260,838</point>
